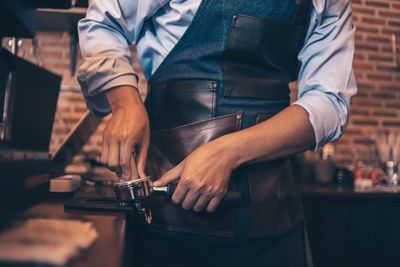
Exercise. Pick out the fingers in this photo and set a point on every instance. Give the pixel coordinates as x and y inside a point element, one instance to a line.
<point>193,196</point>
<point>171,175</point>
<point>110,156</point>
<point>141,156</point>
<point>194,199</point>
<point>117,152</point>
<point>201,203</point>
<point>190,193</point>
<point>179,194</point>
<point>118,157</point>
<point>126,161</point>
<point>190,199</point>
<point>214,203</point>
<point>104,153</point>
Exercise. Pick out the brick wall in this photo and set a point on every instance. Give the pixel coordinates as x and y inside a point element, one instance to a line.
<point>377,103</point>
<point>376,106</point>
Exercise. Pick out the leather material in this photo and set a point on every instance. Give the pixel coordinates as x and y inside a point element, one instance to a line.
<point>186,101</point>
<point>274,194</point>
<point>261,57</point>
<point>262,117</point>
<point>276,203</point>
<point>167,149</point>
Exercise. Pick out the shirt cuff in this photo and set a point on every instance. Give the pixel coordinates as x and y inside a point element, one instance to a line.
<point>98,104</point>
<point>100,74</point>
<point>323,117</point>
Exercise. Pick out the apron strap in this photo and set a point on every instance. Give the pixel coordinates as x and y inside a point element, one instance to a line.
<point>302,12</point>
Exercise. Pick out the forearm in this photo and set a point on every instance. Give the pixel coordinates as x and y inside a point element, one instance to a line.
<point>123,97</point>
<point>126,132</point>
<point>286,133</point>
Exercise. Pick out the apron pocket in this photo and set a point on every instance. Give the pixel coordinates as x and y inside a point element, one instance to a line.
<point>261,57</point>
<point>167,149</point>
<point>170,146</point>
<point>187,101</point>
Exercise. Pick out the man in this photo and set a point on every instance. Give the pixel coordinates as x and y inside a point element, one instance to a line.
<point>218,106</point>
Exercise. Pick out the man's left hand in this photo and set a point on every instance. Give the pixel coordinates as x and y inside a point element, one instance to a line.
<point>203,177</point>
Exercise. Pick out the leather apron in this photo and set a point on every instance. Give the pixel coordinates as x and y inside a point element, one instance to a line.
<point>229,71</point>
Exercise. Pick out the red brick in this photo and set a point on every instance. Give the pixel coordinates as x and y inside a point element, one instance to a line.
<point>390,86</point>
<point>386,68</point>
<point>364,10</point>
<point>72,119</point>
<point>60,43</point>
<point>359,56</point>
<point>389,30</point>
<point>380,76</point>
<point>353,131</point>
<point>50,54</point>
<point>362,94</point>
<point>366,46</point>
<point>367,102</point>
<point>393,105</point>
<point>369,122</point>
<point>379,39</point>
<point>373,21</point>
<point>56,66</point>
<point>73,98</point>
<point>383,114</point>
<point>383,95</point>
<point>359,113</point>
<point>359,75</point>
<point>80,109</point>
<point>389,14</point>
<point>369,29</point>
<point>381,57</point>
<point>51,35</point>
<point>391,123</point>
<point>377,3</point>
<point>394,23</point>
<point>365,85</point>
<point>394,5</point>
<point>363,65</point>
<point>359,37</point>
<point>64,109</point>
<point>363,141</point>
<point>60,131</point>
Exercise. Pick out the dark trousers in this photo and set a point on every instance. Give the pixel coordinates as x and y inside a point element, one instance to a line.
<point>153,247</point>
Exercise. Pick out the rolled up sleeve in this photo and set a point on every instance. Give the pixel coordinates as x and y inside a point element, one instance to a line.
<point>104,36</point>
<point>326,79</point>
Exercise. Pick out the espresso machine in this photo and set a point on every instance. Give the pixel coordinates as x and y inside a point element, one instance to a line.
<point>28,99</point>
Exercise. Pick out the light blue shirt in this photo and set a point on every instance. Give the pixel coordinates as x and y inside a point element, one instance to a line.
<point>326,80</point>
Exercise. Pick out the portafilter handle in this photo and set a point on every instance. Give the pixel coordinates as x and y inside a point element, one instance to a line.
<point>230,198</point>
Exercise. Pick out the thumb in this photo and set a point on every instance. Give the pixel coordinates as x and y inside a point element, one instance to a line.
<point>170,175</point>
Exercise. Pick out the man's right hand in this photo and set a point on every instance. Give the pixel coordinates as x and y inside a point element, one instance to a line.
<point>126,132</point>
